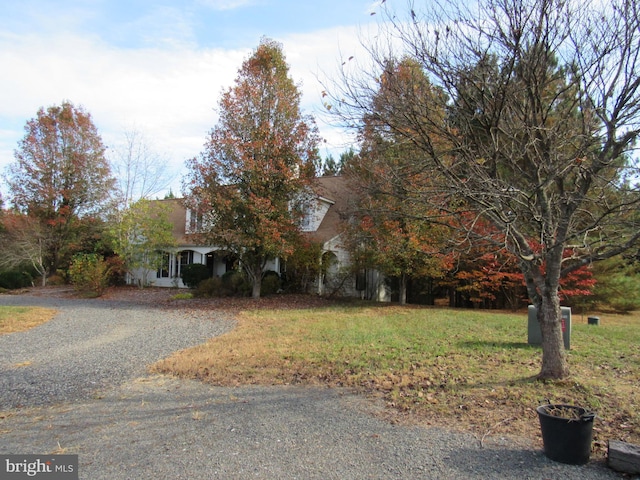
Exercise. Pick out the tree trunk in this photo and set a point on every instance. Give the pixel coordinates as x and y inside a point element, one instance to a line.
<point>554,359</point>
<point>255,292</point>
<point>403,289</point>
<point>256,276</point>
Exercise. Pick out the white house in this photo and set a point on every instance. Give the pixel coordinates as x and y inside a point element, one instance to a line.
<point>322,223</point>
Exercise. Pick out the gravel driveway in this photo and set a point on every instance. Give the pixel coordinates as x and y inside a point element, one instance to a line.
<point>78,385</point>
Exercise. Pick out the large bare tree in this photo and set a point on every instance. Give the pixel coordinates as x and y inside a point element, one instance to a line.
<point>140,171</point>
<point>542,100</point>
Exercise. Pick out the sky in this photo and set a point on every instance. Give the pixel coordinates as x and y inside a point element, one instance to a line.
<point>158,67</point>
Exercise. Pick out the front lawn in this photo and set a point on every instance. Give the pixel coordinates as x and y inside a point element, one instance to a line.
<point>472,370</point>
<point>18,319</point>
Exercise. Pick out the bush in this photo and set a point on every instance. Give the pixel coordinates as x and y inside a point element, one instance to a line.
<point>210,287</point>
<point>270,283</point>
<point>89,274</point>
<point>56,279</point>
<point>16,278</point>
<point>117,271</point>
<point>302,268</point>
<point>194,273</point>
<point>232,283</point>
<point>236,283</point>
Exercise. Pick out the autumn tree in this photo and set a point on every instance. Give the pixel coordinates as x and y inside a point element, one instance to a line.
<point>485,276</point>
<point>59,176</point>
<point>392,228</point>
<point>250,179</point>
<point>543,101</point>
<point>400,248</point>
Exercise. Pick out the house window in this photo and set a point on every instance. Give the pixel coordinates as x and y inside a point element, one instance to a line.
<point>305,224</point>
<point>163,270</point>
<point>195,221</point>
<point>307,217</point>
<point>186,257</point>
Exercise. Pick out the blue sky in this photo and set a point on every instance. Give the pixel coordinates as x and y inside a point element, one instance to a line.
<point>159,67</point>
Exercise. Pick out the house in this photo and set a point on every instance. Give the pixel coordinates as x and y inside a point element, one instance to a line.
<point>187,250</point>
<point>322,224</point>
<point>332,204</point>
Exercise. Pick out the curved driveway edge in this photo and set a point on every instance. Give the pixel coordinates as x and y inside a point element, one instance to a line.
<point>90,345</point>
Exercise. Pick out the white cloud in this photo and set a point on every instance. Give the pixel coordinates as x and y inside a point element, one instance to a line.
<point>315,59</point>
<point>227,4</point>
<point>169,94</point>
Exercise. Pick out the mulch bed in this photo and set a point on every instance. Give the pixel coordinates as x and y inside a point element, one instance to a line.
<point>163,297</point>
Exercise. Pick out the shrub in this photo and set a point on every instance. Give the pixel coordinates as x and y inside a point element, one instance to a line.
<point>210,287</point>
<point>270,283</point>
<point>236,283</point>
<point>232,283</point>
<point>194,273</point>
<point>57,279</point>
<point>89,274</point>
<point>15,278</point>
<point>117,271</point>
<point>302,268</point>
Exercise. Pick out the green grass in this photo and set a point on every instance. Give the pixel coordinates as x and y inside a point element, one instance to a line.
<point>182,296</point>
<point>473,369</point>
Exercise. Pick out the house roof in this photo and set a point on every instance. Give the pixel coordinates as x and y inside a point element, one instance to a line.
<point>332,190</point>
<point>337,191</point>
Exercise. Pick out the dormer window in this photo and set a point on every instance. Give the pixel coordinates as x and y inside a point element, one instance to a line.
<point>195,221</point>
<point>306,222</point>
<point>307,218</point>
<point>314,213</point>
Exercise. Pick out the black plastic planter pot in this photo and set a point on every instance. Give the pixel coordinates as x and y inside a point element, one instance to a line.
<point>566,440</point>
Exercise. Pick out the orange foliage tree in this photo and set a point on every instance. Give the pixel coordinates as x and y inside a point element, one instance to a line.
<point>250,181</point>
<point>394,230</point>
<point>60,177</point>
<point>486,274</point>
